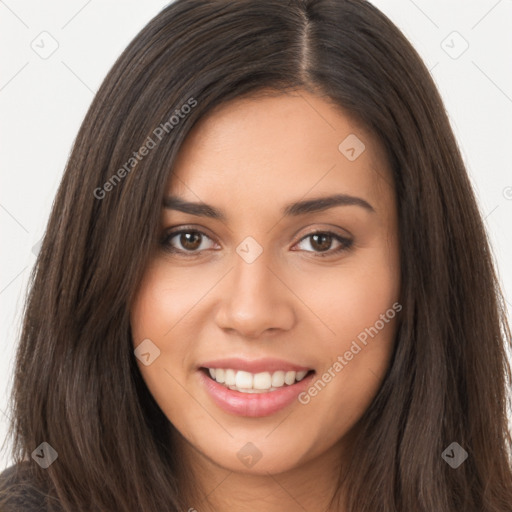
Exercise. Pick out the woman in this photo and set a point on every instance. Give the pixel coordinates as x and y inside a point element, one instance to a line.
<point>265,283</point>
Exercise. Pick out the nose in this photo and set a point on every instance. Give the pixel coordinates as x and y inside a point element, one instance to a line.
<point>254,299</point>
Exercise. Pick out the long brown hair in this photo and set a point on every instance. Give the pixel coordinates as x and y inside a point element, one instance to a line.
<point>76,383</point>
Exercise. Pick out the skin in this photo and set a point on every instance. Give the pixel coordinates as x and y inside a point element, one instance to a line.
<point>250,157</point>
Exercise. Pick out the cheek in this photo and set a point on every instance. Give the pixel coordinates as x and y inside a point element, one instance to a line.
<point>163,301</point>
<point>352,296</point>
<point>159,313</point>
<point>360,304</point>
<point>154,315</point>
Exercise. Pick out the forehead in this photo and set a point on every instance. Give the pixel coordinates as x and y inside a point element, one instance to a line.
<point>262,151</point>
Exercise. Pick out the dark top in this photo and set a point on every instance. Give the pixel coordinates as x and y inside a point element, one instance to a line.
<point>30,500</point>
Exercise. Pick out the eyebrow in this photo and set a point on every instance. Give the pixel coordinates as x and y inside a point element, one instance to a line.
<point>291,210</point>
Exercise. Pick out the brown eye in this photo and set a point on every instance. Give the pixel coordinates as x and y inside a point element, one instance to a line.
<point>184,241</point>
<point>190,240</point>
<point>321,242</point>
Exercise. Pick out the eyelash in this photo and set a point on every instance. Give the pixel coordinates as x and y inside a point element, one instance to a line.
<point>345,243</point>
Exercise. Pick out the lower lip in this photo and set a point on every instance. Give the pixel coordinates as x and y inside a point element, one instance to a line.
<point>253,404</point>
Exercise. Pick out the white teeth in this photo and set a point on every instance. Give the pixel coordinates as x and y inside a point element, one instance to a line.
<point>301,375</point>
<point>230,377</point>
<point>277,379</point>
<point>247,382</point>
<point>243,380</point>
<point>289,378</point>
<point>262,381</point>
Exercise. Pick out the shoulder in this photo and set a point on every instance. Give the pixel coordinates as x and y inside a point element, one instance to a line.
<point>17,493</point>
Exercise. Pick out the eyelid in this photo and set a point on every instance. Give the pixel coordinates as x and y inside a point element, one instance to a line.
<point>329,229</point>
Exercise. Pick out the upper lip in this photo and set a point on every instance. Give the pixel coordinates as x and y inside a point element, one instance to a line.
<point>254,365</point>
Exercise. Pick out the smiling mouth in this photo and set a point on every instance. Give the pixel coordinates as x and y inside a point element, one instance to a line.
<point>263,382</point>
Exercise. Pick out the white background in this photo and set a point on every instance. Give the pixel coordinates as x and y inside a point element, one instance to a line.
<point>43,102</point>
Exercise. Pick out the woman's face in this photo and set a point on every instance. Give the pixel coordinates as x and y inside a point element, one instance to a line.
<point>254,295</point>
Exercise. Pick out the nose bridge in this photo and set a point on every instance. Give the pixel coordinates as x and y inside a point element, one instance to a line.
<point>252,281</point>
<point>255,299</point>
<point>251,273</point>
